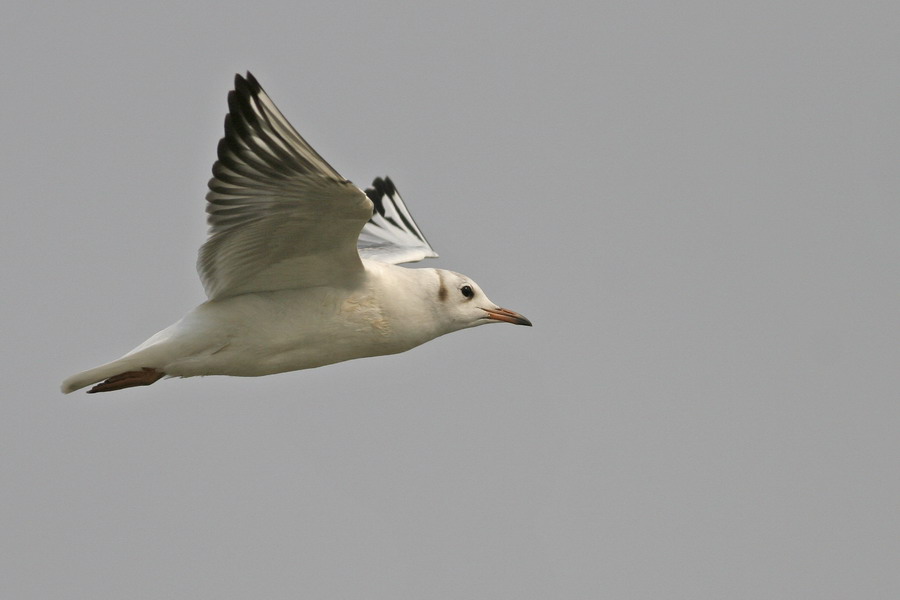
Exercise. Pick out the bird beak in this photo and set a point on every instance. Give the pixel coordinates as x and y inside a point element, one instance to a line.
<point>508,316</point>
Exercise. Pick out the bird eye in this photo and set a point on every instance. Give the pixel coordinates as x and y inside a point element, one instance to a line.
<point>467,291</point>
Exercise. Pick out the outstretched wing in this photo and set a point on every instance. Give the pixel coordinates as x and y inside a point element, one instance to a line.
<point>391,235</point>
<point>280,217</point>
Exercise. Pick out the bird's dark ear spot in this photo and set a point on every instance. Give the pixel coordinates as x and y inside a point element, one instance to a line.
<point>442,290</point>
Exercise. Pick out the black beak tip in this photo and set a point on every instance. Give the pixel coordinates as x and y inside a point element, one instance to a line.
<point>507,316</point>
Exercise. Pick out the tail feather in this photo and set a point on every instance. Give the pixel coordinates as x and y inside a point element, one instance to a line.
<point>128,371</point>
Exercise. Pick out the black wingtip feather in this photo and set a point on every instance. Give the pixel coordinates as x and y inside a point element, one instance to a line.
<point>242,87</point>
<point>246,84</point>
<point>233,100</point>
<point>383,186</point>
<point>380,188</point>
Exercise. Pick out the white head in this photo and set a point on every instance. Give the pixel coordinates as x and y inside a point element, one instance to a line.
<point>461,300</point>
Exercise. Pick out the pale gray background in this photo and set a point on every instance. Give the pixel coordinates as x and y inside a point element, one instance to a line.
<point>696,203</point>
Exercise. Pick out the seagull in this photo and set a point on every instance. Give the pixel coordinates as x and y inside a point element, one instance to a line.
<point>300,267</point>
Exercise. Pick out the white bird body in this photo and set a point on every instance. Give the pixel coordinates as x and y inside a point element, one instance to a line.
<point>289,288</point>
<point>263,333</point>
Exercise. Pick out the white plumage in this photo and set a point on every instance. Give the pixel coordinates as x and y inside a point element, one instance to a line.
<point>300,267</point>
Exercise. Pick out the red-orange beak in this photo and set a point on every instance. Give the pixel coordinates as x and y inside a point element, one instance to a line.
<point>507,316</point>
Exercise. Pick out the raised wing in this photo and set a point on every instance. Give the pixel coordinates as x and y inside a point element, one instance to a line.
<point>391,235</point>
<point>280,217</point>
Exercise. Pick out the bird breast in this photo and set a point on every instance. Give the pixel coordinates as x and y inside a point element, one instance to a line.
<point>366,312</point>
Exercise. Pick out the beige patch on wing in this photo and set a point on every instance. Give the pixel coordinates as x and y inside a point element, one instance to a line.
<point>365,311</point>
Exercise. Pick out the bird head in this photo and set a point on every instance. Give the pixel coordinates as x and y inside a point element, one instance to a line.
<point>462,301</point>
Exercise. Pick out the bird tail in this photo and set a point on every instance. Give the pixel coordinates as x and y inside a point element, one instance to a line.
<point>128,371</point>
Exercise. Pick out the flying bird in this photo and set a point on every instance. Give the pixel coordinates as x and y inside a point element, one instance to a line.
<point>300,267</point>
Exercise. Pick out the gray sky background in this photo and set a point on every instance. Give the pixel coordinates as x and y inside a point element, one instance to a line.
<point>696,203</point>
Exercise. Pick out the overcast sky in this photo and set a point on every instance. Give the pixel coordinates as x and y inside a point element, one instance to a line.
<point>696,203</point>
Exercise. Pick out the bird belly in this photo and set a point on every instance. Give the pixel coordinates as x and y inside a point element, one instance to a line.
<point>274,332</point>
